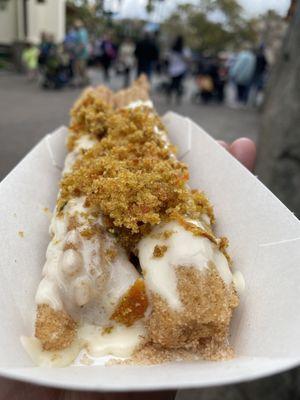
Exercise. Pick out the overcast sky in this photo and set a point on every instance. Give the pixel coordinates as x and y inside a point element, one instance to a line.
<point>136,8</point>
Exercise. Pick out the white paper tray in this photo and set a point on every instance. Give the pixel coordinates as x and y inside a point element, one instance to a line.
<point>264,242</point>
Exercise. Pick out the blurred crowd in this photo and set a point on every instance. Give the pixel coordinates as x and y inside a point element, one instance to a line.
<point>238,78</point>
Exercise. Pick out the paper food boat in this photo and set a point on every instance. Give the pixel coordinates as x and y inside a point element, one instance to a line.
<point>264,242</point>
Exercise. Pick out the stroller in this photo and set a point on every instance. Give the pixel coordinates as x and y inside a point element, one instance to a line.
<point>164,87</point>
<point>210,82</point>
<point>55,70</point>
<point>205,89</point>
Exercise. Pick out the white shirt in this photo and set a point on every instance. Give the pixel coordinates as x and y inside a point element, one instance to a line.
<point>177,63</point>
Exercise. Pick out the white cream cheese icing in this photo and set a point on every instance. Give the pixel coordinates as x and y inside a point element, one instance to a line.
<point>92,340</point>
<point>140,103</point>
<point>183,249</point>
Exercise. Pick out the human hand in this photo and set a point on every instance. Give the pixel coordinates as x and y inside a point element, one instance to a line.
<point>243,149</point>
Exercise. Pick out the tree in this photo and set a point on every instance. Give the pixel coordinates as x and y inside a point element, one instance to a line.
<point>279,146</point>
<point>150,6</point>
<point>202,32</point>
<point>231,9</point>
<point>91,13</point>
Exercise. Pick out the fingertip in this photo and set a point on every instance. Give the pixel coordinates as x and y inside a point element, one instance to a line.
<point>224,144</point>
<point>246,142</point>
<point>244,150</point>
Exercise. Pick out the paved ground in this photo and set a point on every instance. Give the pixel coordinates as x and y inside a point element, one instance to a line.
<point>27,113</point>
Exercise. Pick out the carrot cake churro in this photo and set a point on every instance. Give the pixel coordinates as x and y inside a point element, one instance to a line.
<point>133,267</point>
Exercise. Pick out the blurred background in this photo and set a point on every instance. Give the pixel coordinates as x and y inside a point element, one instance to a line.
<point>233,66</point>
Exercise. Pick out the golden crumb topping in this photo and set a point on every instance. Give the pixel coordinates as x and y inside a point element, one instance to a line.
<point>88,116</point>
<point>162,235</point>
<point>107,330</point>
<point>110,254</point>
<point>167,234</point>
<point>159,251</point>
<point>131,176</point>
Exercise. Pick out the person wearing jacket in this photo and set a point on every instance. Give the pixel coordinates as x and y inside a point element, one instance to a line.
<point>242,73</point>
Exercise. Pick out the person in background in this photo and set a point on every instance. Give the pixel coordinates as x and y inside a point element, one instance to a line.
<point>55,73</point>
<point>126,58</point>
<point>30,56</point>
<point>177,68</point>
<point>157,62</point>
<point>259,76</point>
<point>45,46</point>
<point>242,74</point>
<point>97,51</point>
<point>221,81</point>
<point>81,54</point>
<point>65,70</point>
<point>146,53</point>
<point>109,54</point>
<point>70,49</point>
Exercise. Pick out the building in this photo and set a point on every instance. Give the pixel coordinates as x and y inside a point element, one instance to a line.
<point>25,20</point>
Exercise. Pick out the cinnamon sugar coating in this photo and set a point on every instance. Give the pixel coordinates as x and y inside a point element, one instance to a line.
<point>55,329</point>
<point>207,306</point>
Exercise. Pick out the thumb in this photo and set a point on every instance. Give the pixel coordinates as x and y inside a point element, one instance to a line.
<point>244,150</point>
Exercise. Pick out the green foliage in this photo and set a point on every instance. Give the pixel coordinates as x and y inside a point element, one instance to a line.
<point>203,33</point>
<point>231,9</point>
<point>150,6</point>
<point>91,14</point>
<point>98,21</point>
